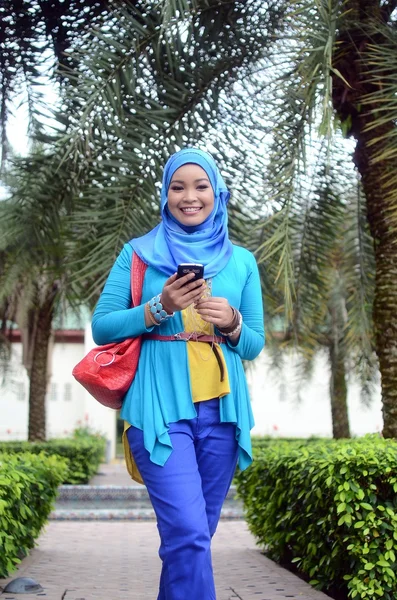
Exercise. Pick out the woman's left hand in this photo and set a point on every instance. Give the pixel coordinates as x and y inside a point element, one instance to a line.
<point>215,310</point>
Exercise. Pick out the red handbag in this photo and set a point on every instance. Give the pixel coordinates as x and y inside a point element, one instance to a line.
<point>107,371</point>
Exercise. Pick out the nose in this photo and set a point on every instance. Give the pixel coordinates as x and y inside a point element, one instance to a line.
<point>190,195</point>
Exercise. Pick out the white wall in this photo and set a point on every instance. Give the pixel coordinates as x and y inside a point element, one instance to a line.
<point>280,407</point>
<point>13,399</point>
<point>100,418</point>
<point>285,407</point>
<point>65,397</point>
<point>68,404</point>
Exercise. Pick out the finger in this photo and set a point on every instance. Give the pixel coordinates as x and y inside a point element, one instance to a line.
<point>187,281</point>
<point>193,296</point>
<point>215,301</point>
<point>213,320</point>
<point>211,313</point>
<point>207,319</point>
<point>171,279</point>
<point>193,289</point>
<point>204,304</point>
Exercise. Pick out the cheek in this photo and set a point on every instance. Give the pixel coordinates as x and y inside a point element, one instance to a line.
<point>171,203</point>
<point>210,203</point>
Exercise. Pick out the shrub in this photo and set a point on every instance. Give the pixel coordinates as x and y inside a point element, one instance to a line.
<point>265,440</point>
<point>84,454</point>
<point>28,487</point>
<point>330,508</point>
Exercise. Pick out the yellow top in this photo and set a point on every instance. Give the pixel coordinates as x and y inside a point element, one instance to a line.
<point>202,361</point>
<point>204,369</point>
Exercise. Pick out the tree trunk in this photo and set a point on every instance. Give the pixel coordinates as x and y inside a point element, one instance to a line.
<point>380,205</point>
<point>381,199</point>
<point>338,391</point>
<point>338,394</point>
<point>38,371</point>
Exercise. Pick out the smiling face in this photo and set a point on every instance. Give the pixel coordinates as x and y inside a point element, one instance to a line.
<point>190,195</point>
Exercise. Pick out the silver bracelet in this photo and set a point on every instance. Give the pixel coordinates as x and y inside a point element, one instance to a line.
<point>237,329</point>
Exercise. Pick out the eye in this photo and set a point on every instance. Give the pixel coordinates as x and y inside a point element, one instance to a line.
<point>202,187</point>
<point>176,188</point>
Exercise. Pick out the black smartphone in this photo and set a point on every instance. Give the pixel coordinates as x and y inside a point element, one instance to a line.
<point>195,268</point>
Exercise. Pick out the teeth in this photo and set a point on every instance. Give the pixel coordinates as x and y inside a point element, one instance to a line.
<point>191,210</point>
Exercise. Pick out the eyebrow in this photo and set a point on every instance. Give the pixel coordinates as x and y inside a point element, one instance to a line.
<point>195,181</point>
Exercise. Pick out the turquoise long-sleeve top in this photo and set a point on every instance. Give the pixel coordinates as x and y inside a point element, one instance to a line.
<point>160,393</point>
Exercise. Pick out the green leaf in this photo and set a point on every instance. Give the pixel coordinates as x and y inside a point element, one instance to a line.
<point>360,494</point>
<point>383,563</point>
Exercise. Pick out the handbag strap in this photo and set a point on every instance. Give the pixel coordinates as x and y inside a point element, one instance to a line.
<point>138,269</point>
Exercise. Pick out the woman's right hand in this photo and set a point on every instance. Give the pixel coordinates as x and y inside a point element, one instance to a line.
<point>178,293</point>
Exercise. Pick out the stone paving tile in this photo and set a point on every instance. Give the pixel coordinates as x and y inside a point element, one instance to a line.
<point>118,561</point>
<point>114,473</point>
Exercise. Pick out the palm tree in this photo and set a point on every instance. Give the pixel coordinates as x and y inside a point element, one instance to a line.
<point>335,70</point>
<point>333,281</point>
<point>334,264</point>
<point>34,274</point>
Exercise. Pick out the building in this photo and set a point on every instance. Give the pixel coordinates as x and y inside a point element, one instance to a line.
<point>69,406</point>
<point>282,405</point>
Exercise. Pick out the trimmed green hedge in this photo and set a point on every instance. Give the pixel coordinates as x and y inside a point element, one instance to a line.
<point>265,440</point>
<point>28,488</point>
<point>329,507</point>
<point>84,454</point>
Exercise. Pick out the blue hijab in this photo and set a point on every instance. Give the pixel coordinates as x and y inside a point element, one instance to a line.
<point>171,243</point>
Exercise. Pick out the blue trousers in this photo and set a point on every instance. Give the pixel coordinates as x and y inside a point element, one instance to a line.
<point>187,494</point>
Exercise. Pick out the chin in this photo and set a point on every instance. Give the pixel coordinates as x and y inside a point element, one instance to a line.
<point>192,222</point>
<point>193,219</point>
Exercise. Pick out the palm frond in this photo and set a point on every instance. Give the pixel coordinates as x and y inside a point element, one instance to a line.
<point>135,104</point>
<point>176,10</point>
<point>358,271</point>
<point>290,93</point>
<point>29,31</point>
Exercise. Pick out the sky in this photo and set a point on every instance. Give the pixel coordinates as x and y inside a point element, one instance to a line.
<point>18,120</point>
<point>17,128</point>
<point>17,134</point>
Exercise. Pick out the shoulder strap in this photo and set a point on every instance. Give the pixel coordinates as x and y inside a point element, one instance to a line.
<point>138,269</point>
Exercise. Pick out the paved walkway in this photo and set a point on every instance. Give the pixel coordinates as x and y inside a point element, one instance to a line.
<point>104,560</point>
<point>114,473</point>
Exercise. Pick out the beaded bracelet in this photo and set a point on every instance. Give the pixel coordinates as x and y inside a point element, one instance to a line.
<point>157,311</point>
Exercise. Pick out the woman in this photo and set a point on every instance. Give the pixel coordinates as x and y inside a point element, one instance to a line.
<point>187,412</point>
